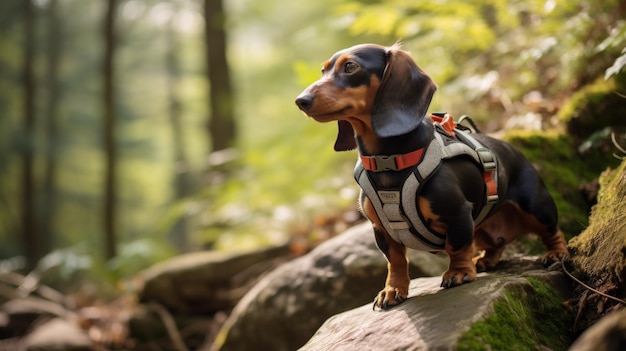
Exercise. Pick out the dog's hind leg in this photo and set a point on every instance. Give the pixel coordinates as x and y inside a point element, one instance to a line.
<point>493,250</point>
<point>557,247</point>
<point>529,212</point>
<point>498,230</point>
<point>542,218</point>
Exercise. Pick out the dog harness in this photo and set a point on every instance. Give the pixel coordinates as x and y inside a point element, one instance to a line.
<point>397,209</point>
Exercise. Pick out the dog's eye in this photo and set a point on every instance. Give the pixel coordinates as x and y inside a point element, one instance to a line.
<point>350,67</point>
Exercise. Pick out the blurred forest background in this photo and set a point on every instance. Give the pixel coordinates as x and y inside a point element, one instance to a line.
<point>133,130</point>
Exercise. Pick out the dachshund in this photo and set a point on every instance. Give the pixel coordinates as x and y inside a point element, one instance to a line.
<point>380,97</point>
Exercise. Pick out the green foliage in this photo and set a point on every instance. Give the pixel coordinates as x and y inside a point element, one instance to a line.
<point>427,19</point>
<point>528,318</point>
<point>507,48</point>
<point>138,255</point>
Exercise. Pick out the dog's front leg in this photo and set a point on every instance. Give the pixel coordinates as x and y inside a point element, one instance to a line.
<point>397,284</point>
<point>460,248</point>
<point>462,269</point>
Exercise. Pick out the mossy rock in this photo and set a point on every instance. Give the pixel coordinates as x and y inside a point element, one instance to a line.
<point>599,253</point>
<point>595,107</point>
<point>563,170</point>
<point>602,246</point>
<point>519,321</point>
<point>516,307</point>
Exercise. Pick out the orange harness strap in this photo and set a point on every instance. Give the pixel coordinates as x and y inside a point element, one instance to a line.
<point>392,162</point>
<point>446,122</point>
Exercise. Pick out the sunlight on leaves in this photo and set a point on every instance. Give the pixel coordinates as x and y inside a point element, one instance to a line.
<point>306,72</point>
<point>617,66</point>
<point>67,261</point>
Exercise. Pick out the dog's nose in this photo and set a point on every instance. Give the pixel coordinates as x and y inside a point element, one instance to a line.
<point>304,101</point>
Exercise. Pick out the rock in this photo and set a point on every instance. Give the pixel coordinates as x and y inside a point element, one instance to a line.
<point>205,282</point>
<point>57,334</point>
<point>608,334</point>
<point>508,309</point>
<point>287,306</point>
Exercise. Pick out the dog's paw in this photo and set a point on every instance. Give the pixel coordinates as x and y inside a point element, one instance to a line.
<point>552,256</point>
<point>453,278</point>
<point>484,264</point>
<point>389,297</point>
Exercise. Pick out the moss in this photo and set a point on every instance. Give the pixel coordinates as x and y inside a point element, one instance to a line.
<point>528,317</point>
<point>594,107</point>
<point>598,252</point>
<point>563,170</point>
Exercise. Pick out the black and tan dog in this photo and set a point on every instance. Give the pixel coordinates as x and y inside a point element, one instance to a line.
<point>380,97</point>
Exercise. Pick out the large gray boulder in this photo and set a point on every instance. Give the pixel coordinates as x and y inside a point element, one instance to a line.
<point>516,308</point>
<point>206,282</point>
<point>286,307</point>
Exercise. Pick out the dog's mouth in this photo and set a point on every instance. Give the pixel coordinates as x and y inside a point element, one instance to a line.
<point>328,116</point>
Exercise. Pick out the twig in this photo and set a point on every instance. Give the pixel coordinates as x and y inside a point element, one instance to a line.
<point>588,287</point>
<point>582,302</point>
<point>23,286</point>
<point>29,283</point>
<point>170,326</point>
<point>614,140</point>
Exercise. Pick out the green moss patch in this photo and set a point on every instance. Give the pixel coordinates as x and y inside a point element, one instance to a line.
<point>594,107</point>
<point>528,317</point>
<point>563,170</point>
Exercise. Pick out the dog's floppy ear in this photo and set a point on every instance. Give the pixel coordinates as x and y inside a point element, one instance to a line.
<point>403,97</point>
<point>345,137</point>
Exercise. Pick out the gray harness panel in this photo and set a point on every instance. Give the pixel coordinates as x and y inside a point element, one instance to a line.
<point>398,210</point>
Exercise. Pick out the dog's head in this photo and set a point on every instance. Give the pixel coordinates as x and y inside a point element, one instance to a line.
<point>370,87</point>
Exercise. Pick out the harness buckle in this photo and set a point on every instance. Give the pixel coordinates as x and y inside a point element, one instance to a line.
<point>487,159</point>
<point>492,198</point>
<point>386,163</point>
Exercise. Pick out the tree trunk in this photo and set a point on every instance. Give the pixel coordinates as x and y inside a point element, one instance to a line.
<point>52,111</point>
<point>110,148</point>
<point>222,128</point>
<point>30,235</point>
<point>181,167</point>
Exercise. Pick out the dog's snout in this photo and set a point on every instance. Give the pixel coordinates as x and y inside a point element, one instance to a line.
<point>304,101</point>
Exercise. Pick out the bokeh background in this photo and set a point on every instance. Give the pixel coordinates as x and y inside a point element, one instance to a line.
<point>135,130</point>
